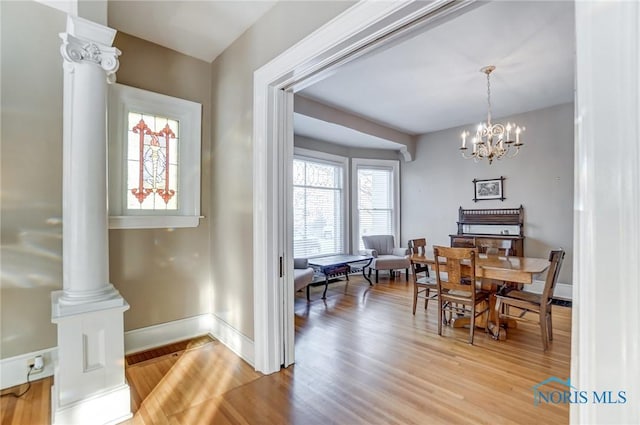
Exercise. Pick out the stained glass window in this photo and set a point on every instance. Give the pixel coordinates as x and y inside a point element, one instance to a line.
<point>152,162</point>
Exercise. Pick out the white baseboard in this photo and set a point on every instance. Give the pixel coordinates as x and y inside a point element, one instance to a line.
<point>233,339</point>
<point>165,333</point>
<point>13,370</point>
<point>108,408</point>
<point>563,291</point>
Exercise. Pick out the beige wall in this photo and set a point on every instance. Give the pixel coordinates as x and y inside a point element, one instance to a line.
<point>164,273</point>
<point>31,167</point>
<point>540,178</point>
<point>232,149</point>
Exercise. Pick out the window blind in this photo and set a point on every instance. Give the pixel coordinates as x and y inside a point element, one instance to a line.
<point>375,202</point>
<point>318,208</point>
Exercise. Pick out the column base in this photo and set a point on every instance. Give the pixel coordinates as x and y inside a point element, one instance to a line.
<point>65,303</point>
<point>90,385</point>
<point>109,407</point>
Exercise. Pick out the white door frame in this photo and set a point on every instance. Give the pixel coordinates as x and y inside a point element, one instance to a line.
<point>606,335</point>
<point>342,39</point>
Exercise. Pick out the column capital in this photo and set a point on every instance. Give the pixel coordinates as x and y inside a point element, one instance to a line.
<point>88,42</point>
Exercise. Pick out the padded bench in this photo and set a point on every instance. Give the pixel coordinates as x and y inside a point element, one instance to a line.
<point>302,275</point>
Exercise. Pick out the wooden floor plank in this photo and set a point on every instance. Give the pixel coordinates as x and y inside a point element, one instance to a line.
<point>361,358</point>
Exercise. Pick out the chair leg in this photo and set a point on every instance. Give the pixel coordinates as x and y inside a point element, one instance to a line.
<point>369,271</point>
<point>426,298</point>
<point>543,330</point>
<point>498,312</point>
<point>472,324</point>
<point>406,274</point>
<point>487,313</point>
<point>415,297</point>
<point>550,325</point>
<point>441,314</point>
<point>376,276</point>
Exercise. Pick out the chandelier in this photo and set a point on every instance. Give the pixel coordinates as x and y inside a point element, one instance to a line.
<point>492,141</point>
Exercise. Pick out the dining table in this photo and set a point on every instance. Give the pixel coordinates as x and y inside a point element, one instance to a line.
<point>495,271</point>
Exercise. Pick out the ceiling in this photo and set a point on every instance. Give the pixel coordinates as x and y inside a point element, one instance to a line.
<point>202,29</point>
<point>433,80</point>
<point>427,83</point>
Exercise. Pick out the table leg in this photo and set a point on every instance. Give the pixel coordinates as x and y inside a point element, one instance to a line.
<point>326,286</point>
<point>366,277</point>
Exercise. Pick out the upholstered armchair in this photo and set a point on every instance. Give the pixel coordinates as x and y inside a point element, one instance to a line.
<point>385,254</point>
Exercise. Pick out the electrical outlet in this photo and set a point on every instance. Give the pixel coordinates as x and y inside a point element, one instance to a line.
<point>39,364</point>
<point>36,364</point>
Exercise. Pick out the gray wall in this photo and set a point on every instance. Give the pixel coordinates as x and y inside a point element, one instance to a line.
<point>540,178</point>
<point>332,148</point>
<point>231,203</point>
<point>31,167</point>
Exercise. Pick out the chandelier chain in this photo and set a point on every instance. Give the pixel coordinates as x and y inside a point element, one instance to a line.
<point>489,98</point>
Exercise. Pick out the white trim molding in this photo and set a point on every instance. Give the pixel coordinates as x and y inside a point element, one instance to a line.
<point>605,346</point>
<point>233,339</point>
<point>141,339</point>
<point>13,370</point>
<point>562,291</point>
<point>178,330</point>
<point>357,29</point>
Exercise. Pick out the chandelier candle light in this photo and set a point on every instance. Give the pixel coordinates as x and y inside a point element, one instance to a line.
<point>492,141</point>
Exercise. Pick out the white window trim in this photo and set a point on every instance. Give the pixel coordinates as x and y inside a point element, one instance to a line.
<point>387,164</point>
<point>303,153</point>
<point>124,98</point>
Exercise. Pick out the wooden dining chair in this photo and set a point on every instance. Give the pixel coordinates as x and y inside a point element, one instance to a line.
<point>527,302</point>
<point>457,290</point>
<point>424,286</point>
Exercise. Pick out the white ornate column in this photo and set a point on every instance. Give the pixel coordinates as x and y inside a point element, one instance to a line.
<point>89,382</point>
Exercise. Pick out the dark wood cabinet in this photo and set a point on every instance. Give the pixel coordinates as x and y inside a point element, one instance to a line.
<point>499,228</point>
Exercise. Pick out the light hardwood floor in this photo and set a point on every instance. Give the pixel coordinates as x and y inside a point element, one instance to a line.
<point>362,358</point>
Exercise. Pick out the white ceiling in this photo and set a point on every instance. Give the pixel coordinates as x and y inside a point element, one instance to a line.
<point>433,81</point>
<point>202,29</point>
<point>427,83</point>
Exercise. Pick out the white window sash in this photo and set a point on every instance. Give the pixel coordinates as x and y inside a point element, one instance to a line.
<point>343,163</point>
<point>381,164</point>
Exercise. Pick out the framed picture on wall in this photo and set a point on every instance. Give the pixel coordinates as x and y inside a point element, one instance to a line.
<point>488,189</point>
